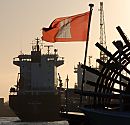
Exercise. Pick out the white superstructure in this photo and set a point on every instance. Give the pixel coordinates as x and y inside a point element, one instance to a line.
<point>88,76</point>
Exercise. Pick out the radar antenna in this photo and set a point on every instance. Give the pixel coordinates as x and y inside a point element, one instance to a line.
<point>48,50</point>
<point>37,44</point>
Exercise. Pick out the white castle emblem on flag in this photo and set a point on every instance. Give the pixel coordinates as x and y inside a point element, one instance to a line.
<point>64,31</point>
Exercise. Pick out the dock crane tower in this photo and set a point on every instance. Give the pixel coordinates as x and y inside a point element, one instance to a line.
<point>103,56</point>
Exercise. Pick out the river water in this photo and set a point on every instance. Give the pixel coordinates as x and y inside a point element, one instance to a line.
<point>16,121</point>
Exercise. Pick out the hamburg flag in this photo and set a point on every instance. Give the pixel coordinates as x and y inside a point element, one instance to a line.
<point>67,29</point>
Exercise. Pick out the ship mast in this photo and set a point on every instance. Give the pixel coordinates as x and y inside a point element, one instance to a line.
<point>48,48</point>
<point>103,56</point>
<point>37,44</point>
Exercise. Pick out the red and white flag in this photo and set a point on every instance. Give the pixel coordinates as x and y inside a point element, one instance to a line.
<point>67,29</point>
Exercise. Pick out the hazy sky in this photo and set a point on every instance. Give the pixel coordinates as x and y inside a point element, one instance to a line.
<point>21,22</point>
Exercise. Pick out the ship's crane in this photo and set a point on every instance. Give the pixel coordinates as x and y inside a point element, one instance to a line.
<point>103,56</point>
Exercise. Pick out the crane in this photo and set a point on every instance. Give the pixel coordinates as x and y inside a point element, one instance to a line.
<point>103,56</point>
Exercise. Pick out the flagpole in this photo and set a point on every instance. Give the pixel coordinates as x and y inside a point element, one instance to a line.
<point>83,78</point>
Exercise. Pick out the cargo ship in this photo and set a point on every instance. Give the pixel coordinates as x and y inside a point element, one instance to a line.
<point>36,95</point>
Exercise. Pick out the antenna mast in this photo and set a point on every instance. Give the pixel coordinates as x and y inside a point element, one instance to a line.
<point>103,56</point>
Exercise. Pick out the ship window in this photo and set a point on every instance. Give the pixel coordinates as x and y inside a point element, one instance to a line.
<point>50,59</point>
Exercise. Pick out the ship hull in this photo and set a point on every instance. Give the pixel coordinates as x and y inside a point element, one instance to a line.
<point>44,107</point>
<point>101,117</point>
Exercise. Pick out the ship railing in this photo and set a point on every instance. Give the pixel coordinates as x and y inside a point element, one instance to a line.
<point>37,92</point>
<point>16,59</point>
<point>53,59</point>
<point>22,58</point>
<point>60,59</point>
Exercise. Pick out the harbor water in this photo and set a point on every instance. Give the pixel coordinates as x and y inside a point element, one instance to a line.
<point>16,121</point>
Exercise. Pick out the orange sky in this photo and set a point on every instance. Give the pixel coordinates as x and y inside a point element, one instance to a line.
<point>21,22</point>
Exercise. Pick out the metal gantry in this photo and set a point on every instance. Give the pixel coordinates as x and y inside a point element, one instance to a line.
<point>103,56</point>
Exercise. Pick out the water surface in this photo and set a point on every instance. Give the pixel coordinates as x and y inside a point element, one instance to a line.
<point>16,121</point>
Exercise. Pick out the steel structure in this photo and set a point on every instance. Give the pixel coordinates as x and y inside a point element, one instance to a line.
<point>103,56</point>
